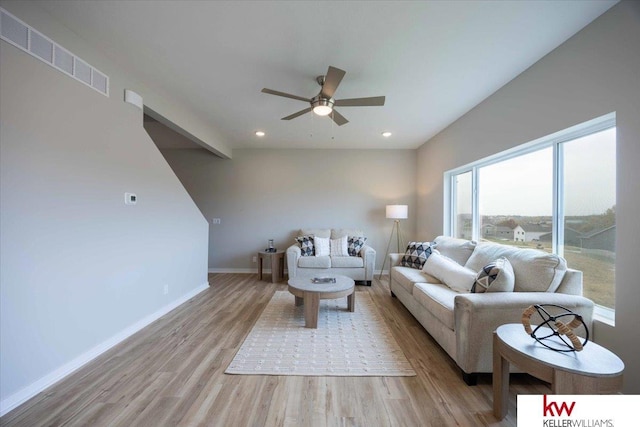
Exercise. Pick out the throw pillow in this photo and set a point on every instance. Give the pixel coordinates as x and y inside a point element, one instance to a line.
<point>355,244</point>
<point>449,272</point>
<point>339,246</point>
<point>496,276</point>
<point>306,245</point>
<point>416,254</point>
<point>321,246</point>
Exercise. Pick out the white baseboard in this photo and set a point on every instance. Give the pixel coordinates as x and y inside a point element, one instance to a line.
<point>235,270</point>
<point>255,271</point>
<point>241,270</point>
<point>51,378</point>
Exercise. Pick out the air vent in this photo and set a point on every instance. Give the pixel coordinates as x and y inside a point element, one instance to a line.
<point>25,38</point>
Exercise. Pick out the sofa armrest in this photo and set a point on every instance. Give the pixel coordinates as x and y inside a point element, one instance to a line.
<point>368,255</point>
<point>478,315</point>
<point>293,253</point>
<point>394,259</point>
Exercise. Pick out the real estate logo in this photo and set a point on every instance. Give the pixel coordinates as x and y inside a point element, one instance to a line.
<point>552,409</point>
<point>577,410</point>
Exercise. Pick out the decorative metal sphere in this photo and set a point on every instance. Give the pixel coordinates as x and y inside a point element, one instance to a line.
<point>558,328</point>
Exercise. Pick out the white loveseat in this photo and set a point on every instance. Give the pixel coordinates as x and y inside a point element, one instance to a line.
<point>463,322</point>
<point>359,267</point>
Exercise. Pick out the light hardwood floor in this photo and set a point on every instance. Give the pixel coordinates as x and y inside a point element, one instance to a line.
<point>172,374</point>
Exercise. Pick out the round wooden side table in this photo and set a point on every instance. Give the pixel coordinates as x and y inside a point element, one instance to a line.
<point>594,370</point>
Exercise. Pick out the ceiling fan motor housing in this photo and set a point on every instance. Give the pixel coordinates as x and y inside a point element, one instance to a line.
<point>319,100</point>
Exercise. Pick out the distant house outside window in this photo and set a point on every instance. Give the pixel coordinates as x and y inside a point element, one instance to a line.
<point>556,194</point>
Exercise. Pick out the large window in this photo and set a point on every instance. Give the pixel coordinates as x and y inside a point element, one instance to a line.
<point>557,194</point>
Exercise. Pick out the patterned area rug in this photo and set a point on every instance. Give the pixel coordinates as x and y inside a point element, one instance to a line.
<point>345,343</point>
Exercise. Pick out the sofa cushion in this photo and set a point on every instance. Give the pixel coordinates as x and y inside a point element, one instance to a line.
<point>319,232</point>
<point>355,244</point>
<point>306,245</point>
<point>339,232</point>
<point>346,261</point>
<point>449,272</point>
<point>321,246</point>
<point>534,270</point>
<point>416,254</point>
<point>407,276</point>
<point>458,250</point>
<point>438,299</point>
<point>314,262</point>
<point>339,246</point>
<point>497,276</point>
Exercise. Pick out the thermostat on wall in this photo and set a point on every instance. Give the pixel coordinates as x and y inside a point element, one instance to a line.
<point>130,199</point>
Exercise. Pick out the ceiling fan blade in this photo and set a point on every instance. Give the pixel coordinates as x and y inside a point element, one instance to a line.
<point>299,113</point>
<point>331,81</point>
<point>286,95</point>
<point>338,118</point>
<point>373,101</point>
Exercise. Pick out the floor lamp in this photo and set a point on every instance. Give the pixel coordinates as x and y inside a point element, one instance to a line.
<point>395,212</point>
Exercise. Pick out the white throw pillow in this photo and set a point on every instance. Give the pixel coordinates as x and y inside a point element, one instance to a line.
<point>321,245</point>
<point>339,247</point>
<point>496,276</point>
<point>449,272</point>
<point>537,271</point>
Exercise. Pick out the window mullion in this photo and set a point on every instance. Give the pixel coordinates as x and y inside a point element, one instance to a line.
<point>453,209</point>
<point>558,199</point>
<point>475,211</point>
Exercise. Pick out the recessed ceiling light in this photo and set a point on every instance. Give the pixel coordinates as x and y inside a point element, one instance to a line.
<point>386,134</point>
<point>260,133</point>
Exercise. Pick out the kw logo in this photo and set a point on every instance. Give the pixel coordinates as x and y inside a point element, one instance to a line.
<point>549,408</point>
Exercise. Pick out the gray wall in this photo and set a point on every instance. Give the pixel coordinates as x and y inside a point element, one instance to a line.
<point>592,74</point>
<point>77,266</point>
<point>264,194</point>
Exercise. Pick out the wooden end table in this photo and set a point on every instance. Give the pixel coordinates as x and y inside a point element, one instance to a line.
<point>594,370</point>
<point>277,265</point>
<point>310,294</point>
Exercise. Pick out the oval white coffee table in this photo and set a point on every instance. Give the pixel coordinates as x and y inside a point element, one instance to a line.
<point>310,294</point>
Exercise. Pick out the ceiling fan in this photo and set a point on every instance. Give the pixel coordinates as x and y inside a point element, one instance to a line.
<point>323,103</point>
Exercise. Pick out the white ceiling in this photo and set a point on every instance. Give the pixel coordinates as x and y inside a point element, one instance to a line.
<point>433,60</point>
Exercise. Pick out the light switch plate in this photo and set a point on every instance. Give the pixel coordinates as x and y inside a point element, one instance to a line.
<point>130,199</point>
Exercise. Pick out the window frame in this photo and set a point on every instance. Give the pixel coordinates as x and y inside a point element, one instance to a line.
<point>555,141</point>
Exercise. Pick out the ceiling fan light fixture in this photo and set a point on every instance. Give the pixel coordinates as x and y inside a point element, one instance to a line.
<point>322,106</point>
<point>322,110</point>
<point>260,133</point>
<point>386,134</point>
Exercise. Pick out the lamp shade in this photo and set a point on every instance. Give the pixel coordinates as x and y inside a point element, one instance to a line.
<point>397,211</point>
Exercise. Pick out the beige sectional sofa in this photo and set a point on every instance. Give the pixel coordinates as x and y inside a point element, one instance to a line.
<point>463,322</point>
<point>358,265</point>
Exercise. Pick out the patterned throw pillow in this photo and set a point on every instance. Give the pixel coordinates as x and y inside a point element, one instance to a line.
<point>497,276</point>
<point>306,245</point>
<point>416,254</point>
<point>355,244</point>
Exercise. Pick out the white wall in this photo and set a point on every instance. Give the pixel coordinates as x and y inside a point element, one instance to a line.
<point>594,73</point>
<point>79,270</point>
<point>264,194</point>
<point>172,109</point>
